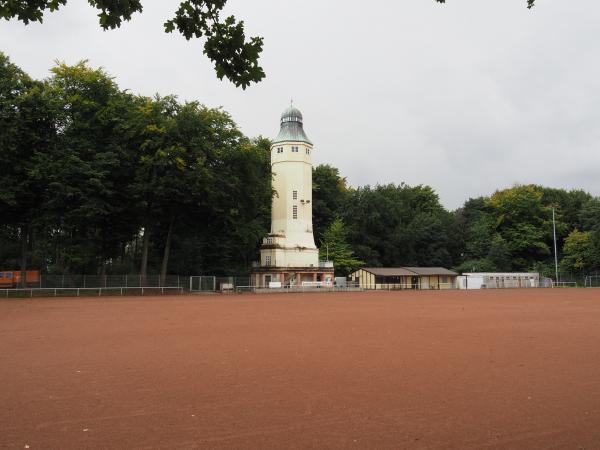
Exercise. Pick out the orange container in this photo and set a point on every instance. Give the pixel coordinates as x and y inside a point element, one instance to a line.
<point>12,278</point>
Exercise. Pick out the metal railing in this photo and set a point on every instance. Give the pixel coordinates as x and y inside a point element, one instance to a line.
<point>295,289</point>
<point>106,281</point>
<point>592,281</point>
<point>88,292</point>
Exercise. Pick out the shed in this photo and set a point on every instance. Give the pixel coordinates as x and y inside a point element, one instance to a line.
<point>404,278</point>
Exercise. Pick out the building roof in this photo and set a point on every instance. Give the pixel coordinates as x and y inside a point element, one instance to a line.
<point>431,271</point>
<point>501,274</point>
<point>389,271</point>
<point>291,112</point>
<point>291,129</point>
<point>408,271</point>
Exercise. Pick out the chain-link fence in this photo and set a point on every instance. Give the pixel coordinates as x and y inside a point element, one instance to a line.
<point>187,283</point>
<point>586,279</point>
<point>144,285</point>
<point>217,284</point>
<point>109,281</point>
<point>103,285</point>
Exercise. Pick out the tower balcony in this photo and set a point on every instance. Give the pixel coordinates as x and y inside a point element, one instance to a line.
<point>273,240</point>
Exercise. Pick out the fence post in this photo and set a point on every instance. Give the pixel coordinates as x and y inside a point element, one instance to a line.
<point>126,276</point>
<point>84,281</point>
<point>63,281</point>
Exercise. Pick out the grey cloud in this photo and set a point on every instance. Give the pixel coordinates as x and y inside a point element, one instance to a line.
<point>468,97</point>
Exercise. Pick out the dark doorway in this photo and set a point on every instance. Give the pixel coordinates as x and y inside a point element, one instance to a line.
<point>415,282</point>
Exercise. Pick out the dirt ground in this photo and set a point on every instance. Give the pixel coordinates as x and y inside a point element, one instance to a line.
<point>511,369</point>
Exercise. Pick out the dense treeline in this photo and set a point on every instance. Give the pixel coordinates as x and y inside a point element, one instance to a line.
<point>400,225</point>
<point>97,180</point>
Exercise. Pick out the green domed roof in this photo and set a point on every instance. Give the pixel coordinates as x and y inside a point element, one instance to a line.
<point>291,127</point>
<point>291,114</point>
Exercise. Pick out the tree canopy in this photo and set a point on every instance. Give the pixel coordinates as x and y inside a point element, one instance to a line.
<point>225,43</point>
<point>334,247</point>
<point>99,180</point>
<point>234,55</point>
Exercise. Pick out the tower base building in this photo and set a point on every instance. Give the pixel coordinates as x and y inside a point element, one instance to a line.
<point>288,255</point>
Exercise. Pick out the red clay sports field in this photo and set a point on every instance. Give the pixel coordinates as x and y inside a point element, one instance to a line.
<point>510,369</point>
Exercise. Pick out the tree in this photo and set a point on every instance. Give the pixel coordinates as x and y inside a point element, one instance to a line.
<point>525,223</point>
<point>476,265</point>
<point>400,225</point>
<point>234,56</point>
<point>160,165</point>
<point>330,192</point>
<point>335,248</point>
<point>577,251</point>
<point>499,254</point>
<point>27,124</point>
<point>590,221</point>
<point>230,213</point>
<point>98,180</point>
<point>88,173</point>
<point>589,215</point>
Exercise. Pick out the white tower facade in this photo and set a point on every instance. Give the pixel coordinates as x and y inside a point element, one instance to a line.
<point>288,254</point>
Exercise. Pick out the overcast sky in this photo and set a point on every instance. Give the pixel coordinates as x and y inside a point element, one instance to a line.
<point>467,97</point>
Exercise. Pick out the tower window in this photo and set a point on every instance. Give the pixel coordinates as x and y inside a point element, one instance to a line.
<point>295,195</point>
<point>279,149</point>
<point>294,149</point>
<point>268,260</point>
<point>308,151</point>
<point>295,212</point>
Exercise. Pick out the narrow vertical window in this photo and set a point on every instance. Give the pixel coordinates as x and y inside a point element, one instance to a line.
<point>295,212</point>
<point>268,260</point>
<point>295,195</point>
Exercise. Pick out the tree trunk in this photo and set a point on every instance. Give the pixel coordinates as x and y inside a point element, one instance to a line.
<point>24,234</point>
<point>145,244</point>
<point>165,260</point>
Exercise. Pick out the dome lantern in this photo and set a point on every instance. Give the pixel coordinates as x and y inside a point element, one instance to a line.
<point>291,129</point>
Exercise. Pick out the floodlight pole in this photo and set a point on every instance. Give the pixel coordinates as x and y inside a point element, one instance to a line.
<point>555,253</point>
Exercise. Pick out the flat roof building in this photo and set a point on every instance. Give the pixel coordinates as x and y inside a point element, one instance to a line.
<point>498,280</point>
